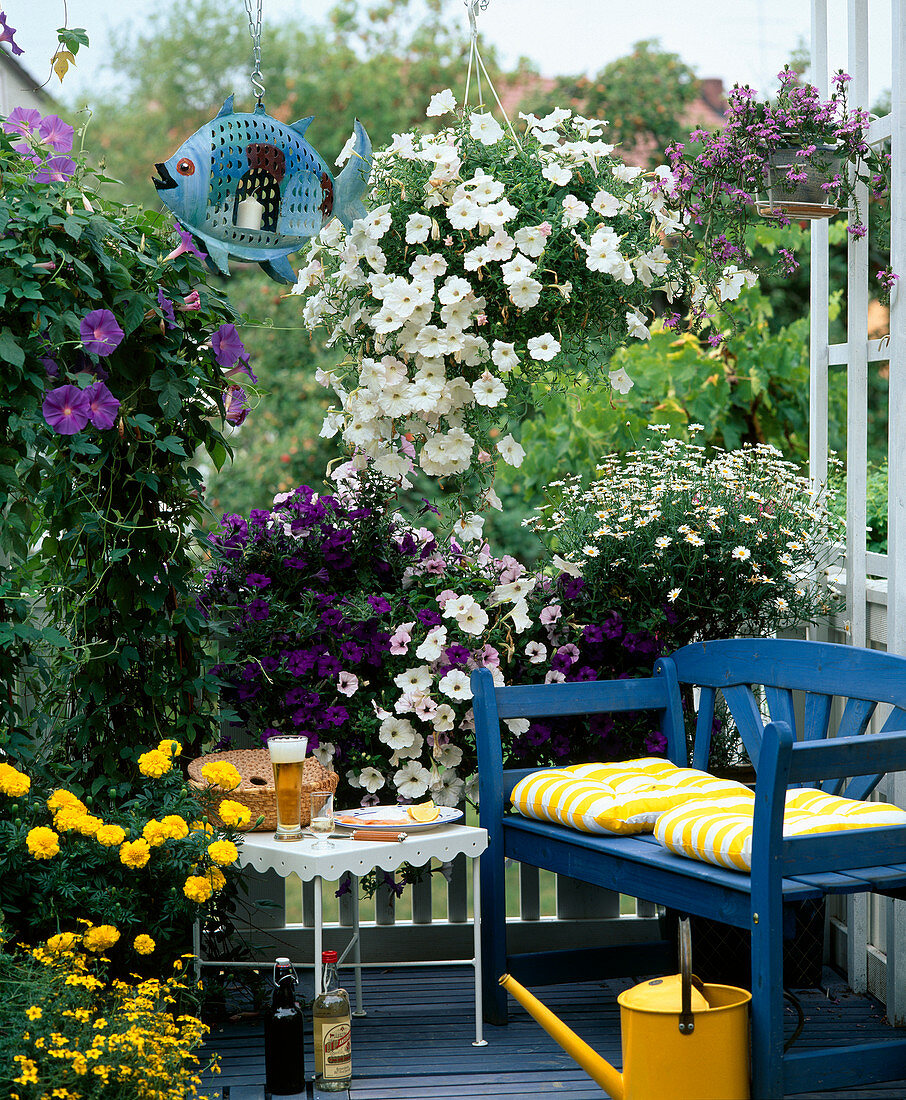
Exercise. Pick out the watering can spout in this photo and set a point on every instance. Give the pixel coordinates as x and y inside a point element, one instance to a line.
<point>597,1068</point>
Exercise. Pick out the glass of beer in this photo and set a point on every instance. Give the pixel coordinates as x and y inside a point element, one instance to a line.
<point>321,825</point>
<point>287,756</point>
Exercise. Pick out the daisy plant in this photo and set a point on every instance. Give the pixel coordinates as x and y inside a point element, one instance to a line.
<point>489,261</point>
<point>690,546</point>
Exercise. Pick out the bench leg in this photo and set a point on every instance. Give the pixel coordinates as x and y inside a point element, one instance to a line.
<point>767,1007</point>
<point>493,933</point>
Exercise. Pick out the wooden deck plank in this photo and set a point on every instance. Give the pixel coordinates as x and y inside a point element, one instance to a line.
<point>415,1042</point>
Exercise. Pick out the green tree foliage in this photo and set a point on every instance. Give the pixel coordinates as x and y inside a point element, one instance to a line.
<point>644,95</point>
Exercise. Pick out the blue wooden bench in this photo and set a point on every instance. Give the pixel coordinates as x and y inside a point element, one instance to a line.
<point>785,753</point>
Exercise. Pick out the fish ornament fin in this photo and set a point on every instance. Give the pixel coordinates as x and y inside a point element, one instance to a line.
<point>218,256</point>
<point>279,269</point>
<point>350,185</point>
<point>302,125</point>
<point>227,108</point>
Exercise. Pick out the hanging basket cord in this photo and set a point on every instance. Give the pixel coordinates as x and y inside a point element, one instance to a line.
<point>476,61</point>
<point>255,32</point>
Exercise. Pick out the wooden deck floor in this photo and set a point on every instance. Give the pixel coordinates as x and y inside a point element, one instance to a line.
<point>416,1042</point>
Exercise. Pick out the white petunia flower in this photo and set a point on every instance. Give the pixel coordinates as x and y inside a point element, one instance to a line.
<point>574,210</point>
<point>324,753</point>
<point>455,685</point>
<point>418,226</point>
<point>489,391</point>
<point>392,464</point>
<point>524,293</point>
<point>732,281</point>
<point>473,620</point>
<point>454,290</point>
<point>464,214</point>
<point>543,347</point>
<point>570,567</point>
<point>520,617</point>
<point>485,128</point>
<point>499,246</point>
<point>625,172</point>
<point>605,204</point>
<point>476,258</point>
<point>536,652</point>
<point>414,679</point>
<point>557,174</point>
<point>431,647</point>
<point>504,356</point>
<point>441,103</point>
<point>376,222</point>
<point>635,324</point>
<point>412,780</point>
<point>620,381</point>
<point>347,683</point>
<point>371,779</point>
<point>444,718</point>
<point>448,756</point>
<point>398,733</point>
<point>448,789</point>
<point>428,267</point>
<point>512,452</point>
<point>520,267</point>
<point>531,239</point>
<point>468,529</point>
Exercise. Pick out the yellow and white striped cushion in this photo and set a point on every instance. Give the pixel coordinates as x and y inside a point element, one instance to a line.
<point>720,832</point>
<point>620,798</point>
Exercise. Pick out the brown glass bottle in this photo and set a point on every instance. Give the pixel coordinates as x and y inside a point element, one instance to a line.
<point>332,1030</point>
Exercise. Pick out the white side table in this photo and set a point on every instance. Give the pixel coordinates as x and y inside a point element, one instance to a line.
<point>260,852</point>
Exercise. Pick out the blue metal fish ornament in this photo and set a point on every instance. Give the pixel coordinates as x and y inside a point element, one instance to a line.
<point>251,187</point>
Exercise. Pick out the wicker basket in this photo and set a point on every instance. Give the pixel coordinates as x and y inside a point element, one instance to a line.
<point>256,791</point>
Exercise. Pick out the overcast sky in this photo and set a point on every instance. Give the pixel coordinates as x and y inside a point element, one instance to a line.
<point>740,40</point>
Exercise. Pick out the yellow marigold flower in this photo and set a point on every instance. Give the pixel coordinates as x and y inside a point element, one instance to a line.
<point>234,813</point>
<point>135,853</point>
<point>13,782</point>
<point>143,944</point>
<point>42,843</point>
<point>223,852</point>
<point>169,747</point>
<point>111,836</point>
<point>28,1070</point>
<point>221,773</point>
<point>216,878</point>
<point>197,889</point>
<point>202,827</point>
<point>34,1012</point>
<point>69,818</point>
<point>88,825</point>
<point>59,799</point>
<point>154,764</point>
<point>155,832</point>
<point>175,825</point>
<point>97,939</point>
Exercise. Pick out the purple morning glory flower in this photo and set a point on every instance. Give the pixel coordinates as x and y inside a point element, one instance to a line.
<point>55,170</point>
<point>100,333</point>
<point>227,345</point>
<point>22,120</point>
<point>236,405</point>
<point>55,132</point>
<point>243,366</point>
<point>102,406</point>
<point>6,35</point>
<point>66,410</point>
<point>166,308</point>
<point>186,244</point>
<point>51,366</point>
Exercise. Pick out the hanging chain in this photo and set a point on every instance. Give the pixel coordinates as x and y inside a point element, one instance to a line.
<point>255,32</point>
<point>473,7</point>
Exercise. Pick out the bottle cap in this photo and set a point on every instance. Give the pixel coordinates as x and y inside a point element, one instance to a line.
<point>329,956</point>
<point>283,961</point>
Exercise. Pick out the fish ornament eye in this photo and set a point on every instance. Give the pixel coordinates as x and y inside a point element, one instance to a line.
<point>185,167</point>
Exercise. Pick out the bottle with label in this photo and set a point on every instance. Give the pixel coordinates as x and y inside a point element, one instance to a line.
<point>284,1036</point>
<point>333,1030</point>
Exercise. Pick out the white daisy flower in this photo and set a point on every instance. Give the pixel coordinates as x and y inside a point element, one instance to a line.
<point>673,593</point>
<point>741,553</point>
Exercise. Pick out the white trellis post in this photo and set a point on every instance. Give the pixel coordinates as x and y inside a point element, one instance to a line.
<point>856,354</point>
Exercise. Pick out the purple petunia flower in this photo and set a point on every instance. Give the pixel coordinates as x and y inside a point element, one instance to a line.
<point>66,410</point>
<point>100,332</point>
<point>55,170</point>
<point>227,345</point>
<point>258,610</point>
<point>6,35</point>
<point>102,406</point>
<point>380,605</point>
<point>257,580</point>
<point>56,133</point>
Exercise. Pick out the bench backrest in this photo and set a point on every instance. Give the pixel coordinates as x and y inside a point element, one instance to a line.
<point>861,678</point>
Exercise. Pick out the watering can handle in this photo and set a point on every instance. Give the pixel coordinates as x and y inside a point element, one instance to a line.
<point>686,1020</point>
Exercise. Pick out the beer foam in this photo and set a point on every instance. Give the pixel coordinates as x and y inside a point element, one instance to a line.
<point>287,750</point>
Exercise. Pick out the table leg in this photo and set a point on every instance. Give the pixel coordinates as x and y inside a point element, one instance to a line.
<point>357,949</point>
<point>319,936</point>
<point>196,950</point>
<point>476,962</point>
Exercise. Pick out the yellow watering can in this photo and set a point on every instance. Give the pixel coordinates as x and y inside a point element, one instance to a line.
<point>682,1039</point>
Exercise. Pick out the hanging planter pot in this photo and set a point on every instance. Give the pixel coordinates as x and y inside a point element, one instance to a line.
<point>801,199</point>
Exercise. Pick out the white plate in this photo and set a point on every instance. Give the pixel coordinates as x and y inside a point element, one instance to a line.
<point>390,817</point>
